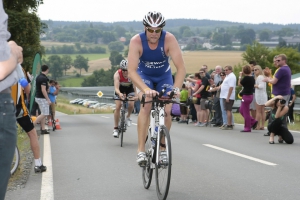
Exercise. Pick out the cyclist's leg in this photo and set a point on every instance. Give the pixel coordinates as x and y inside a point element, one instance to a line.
<point>117,112</point>
<point>143,118</point>
<point>130,93</point>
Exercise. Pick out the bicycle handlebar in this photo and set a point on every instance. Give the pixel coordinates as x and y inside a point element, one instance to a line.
<point>160,98</point>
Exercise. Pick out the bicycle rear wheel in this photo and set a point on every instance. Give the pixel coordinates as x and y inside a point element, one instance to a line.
<point>16,161</point>
<point>147,170</point>
<point>163,167</point>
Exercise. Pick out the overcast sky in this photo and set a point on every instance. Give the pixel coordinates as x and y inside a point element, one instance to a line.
<point>248,11</point>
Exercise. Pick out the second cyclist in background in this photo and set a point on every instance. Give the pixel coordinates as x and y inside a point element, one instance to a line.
<point>123,88</point>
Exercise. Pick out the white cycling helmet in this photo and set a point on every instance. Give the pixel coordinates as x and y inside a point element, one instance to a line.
<point>123,64</point>
<point>154,19</point>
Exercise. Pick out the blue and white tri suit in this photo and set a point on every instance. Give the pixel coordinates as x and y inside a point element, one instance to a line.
<point>154,67</point>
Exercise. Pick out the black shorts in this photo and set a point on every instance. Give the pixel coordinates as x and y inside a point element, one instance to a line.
<point>26,123</point>
<point>125,90</point>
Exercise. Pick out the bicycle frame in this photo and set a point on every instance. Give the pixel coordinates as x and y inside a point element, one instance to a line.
<point>157,116</point>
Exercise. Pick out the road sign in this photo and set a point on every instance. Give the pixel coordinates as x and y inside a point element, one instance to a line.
<point>100,94</point>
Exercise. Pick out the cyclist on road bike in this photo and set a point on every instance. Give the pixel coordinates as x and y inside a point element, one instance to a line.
<point>148,59</point>
<point>123,88</point>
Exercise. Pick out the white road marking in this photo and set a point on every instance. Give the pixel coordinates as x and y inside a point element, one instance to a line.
<point>105,117</point>
<point>134,124</point>
<point>240,155</point>
<point>47,177</point>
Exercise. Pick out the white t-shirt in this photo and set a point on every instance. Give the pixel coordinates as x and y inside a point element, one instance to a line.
<point>229,81</point>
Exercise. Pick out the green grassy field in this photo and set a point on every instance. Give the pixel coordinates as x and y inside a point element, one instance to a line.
<point>89,56</point>
<point>71,82</point>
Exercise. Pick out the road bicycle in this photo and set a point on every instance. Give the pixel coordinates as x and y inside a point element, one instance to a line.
<point>16,161</point>
<point>122,126</point>
<point>158,147</point>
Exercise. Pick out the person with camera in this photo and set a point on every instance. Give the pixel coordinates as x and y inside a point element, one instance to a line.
<point>276,120</point>
<point>247,96</point>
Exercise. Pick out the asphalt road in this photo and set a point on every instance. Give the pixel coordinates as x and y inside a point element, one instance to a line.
<point>86,162</point>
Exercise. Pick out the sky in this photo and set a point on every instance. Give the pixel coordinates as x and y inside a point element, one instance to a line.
<point>245,11</point>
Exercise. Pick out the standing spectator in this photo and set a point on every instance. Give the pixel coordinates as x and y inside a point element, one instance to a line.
<point>10,56</point>
<point>247,96</point>
<point>207,75</point>
<point>281,81</point>
<point>228,95</point>
<point>183,108</point>
<point>253,103</point>
<point>291,105</point>
<point>42,98</point>
<point>260,96</point>
<point>25,121</point>
<point>203,90</point>
<point>197,95</point>
<point>53,92</point>
<point>216,98</point>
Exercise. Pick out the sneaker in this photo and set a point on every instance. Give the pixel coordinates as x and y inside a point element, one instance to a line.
<point>141,159</point>
<point>40,169</point>
<point>200,124</point>
<point>116,133</point>
<point>228,127</point>
<point>45,132</point>
<point>163,157</point>
<point>197,123</point>
<point>221,127</point>
<point>128,121</point>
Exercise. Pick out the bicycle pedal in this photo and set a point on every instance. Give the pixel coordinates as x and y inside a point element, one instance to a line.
<point>143,163</point>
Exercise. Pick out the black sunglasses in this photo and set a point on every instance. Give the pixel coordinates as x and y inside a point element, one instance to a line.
<point>278,60</point>
<point>124,70</point>
<point>152,30</point>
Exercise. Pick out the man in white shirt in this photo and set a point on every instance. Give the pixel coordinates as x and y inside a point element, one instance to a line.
<point>228,95</point>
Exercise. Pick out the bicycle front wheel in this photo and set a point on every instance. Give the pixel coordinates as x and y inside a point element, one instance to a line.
<point>16,161</point>
<point>163,167</point>
<point>147,170</point>
<point>122,127</point>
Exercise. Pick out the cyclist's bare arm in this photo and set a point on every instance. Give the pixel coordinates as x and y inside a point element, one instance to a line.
<point>174,51</point>
<point>134,54</point>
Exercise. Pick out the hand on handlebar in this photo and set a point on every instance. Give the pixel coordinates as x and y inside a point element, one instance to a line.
<point>122,96</point>
<point>151,93</point>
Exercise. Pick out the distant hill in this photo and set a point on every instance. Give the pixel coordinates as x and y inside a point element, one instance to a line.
<point>176,23</point>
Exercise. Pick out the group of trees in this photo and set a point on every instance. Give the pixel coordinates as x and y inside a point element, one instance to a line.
<point>75,49</point>
<point>60,64</point>
<point>102,77</point>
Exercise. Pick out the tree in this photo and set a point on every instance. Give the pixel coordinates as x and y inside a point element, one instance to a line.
<point>258,53</point>
<point>183,28</point>
<point>247,36</point>
<point>108,37</point>
<point>25,27</point>
<point>115,58</point>
<point>264,36</point>
<point>55,66</point>
<point>187,33</point>
<point>116,46</point>
<point>120,31</point>
<point>66,63</point>
<point>81,63</point>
